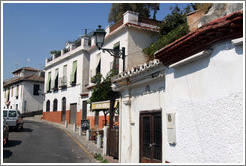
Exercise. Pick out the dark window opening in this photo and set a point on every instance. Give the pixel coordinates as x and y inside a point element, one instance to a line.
<point>98,69</point>
<point>55,105</point>
<point>36,90</point>
<point>47,106</point>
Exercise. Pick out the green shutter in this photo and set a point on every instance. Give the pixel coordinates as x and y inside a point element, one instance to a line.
<point>48,82</point>
<point>116,45</point>
<point>72,76</point>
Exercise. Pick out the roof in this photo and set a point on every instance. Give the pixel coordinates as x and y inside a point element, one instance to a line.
<point>25,68</point>
<point>32,77</point>
<point>137,70</point>
<point>219,30</point>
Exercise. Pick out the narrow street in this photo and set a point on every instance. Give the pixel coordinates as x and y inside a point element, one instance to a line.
<point>41,143</point>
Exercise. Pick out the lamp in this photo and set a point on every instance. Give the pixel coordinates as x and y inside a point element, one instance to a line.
<point>99,35</point>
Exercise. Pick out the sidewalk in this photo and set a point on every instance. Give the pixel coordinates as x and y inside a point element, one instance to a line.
<point>88,146</point>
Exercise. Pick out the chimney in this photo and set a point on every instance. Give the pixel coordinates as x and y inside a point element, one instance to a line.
<point>193,19</point>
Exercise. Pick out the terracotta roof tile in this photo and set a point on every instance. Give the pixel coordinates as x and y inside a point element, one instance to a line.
<point>31,77</point>
<point>219,30</point>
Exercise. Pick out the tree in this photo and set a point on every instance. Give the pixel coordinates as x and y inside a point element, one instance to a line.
<point>175,19</point>
<point>103,90</point>
<point>118,9</point>
<point>155,7</point>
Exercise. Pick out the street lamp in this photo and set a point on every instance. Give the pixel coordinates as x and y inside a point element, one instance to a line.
<point>99,35</point>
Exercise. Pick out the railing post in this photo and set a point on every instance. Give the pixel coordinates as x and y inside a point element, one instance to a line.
<point>87,135</point>
<point>80,131</point>
<point>105,137</point>
<point>74,127</point>
<point>99,140</point>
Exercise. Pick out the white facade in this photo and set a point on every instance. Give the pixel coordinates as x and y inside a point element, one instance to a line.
<point>132,34</point>
<point>63,67</point>
<point>206,96</point>
<point>19,91</point>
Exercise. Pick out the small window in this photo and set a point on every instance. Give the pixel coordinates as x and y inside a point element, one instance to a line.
<point>36,90</point>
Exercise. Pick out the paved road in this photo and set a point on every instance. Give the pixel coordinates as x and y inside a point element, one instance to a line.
<point>41,143</point>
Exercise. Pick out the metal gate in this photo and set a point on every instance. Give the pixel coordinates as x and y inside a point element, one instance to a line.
<point>113,143</point>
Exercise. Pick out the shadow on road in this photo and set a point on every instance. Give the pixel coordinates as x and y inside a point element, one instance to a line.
<point>12,143</point>
<point>22,130</point>
<point>7,153</point>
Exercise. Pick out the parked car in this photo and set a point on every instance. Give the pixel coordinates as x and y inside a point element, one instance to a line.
<point>13,119</point>
<point>5,132</point>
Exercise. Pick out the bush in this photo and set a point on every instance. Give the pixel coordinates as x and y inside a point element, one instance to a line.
<point>165,40</point>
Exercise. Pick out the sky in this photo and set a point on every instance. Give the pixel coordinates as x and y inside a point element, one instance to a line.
<point>32,30</point>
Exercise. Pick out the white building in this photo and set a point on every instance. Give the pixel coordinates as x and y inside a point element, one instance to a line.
<point>188,108</point>
<point>66,76</point>
<point>24,90</point>
<point>132,32</point>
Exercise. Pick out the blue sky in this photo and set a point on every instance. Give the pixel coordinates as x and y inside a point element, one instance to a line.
<point>32,30</point>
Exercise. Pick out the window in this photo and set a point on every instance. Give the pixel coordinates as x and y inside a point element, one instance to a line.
<point>17,92</point>
<point>55,105</point>
<point>12,91</point>
<point>4,114</point>
<point>48,83</point>
<point>47,106</point>
<point>56,79</point>
<point>64,78</point>
<point>73,76</point>
<point>35,90</point>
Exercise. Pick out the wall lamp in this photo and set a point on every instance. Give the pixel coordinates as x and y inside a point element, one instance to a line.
<point>99,35</point>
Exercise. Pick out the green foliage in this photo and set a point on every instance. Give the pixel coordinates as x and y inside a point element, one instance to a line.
<point>102,91</point>
<point>100,158</point>
<point>173,20</point>
<point>55,52</point>
<point>118,9</point>
<point>174,26</point>
<point>166,39</point>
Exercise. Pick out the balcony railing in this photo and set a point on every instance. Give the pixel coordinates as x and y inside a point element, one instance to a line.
<point>62,82</point>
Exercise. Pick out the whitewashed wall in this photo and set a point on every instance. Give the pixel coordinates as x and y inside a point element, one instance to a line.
<point>207,97</point>
<point>129,117</point>
<point>34,103</point>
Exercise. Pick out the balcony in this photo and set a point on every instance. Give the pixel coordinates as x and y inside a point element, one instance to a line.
<point>62,82</point>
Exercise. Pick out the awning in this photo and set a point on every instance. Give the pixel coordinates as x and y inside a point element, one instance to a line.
<point>103,105</point>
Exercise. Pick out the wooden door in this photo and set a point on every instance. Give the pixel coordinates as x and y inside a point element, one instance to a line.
<point>150,137</point>
<point>73,113</point>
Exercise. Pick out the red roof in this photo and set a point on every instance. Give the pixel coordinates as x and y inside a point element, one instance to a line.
<point>219,30</point>
<point>25,68</point>
<point>32,77</point>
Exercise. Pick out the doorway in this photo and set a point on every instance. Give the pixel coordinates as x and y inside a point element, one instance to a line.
<point>63,109</point>
<point>73,113</point>
<point>150,137</point>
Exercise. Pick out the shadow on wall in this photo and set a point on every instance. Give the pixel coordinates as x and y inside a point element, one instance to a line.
<point>191,67</point>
